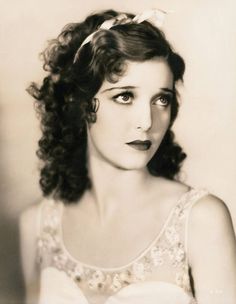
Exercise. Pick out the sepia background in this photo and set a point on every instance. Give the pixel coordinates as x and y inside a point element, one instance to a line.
<point>203,32</point>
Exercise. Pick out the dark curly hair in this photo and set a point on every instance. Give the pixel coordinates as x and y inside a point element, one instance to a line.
<point>64,99</point>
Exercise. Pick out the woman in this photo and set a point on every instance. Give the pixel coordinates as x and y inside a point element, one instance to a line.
<point>116,225</point>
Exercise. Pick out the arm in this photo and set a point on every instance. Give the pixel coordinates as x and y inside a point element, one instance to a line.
<point>212,252</point>
<point>28,234</point>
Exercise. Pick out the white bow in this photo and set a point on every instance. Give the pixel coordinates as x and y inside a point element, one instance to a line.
<point>154,16</point>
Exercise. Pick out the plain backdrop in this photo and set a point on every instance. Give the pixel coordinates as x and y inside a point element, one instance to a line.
<point>202,31</point>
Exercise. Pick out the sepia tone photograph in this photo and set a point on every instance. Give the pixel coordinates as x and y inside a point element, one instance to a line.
<point>117,138</point>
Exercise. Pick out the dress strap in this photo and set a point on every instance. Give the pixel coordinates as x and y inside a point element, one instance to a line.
<point>48,219</point>
<point>49,214</point>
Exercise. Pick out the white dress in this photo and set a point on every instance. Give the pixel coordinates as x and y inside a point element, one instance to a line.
<point>65,280</point>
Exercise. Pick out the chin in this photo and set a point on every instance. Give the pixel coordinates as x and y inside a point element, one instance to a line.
<point>131,164</point>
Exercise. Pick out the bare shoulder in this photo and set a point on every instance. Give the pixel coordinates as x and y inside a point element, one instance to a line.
<point>210,226</point>
<point>210,212</point>
<point>168,190</point>
<point>29,229</point>
<point>164,194</point>
<point>211,250</point>
<point>28,221</point>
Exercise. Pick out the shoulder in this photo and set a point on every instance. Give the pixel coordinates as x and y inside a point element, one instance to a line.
<point>210,212</point>
<point>164,194</point>
<point>169,188</point>
<point>212,250</point>
<point>29,230</point>
<point>210,226</point>
<point>28,220</point>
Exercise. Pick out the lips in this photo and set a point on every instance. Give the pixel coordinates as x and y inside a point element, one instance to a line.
<point>141,145</point>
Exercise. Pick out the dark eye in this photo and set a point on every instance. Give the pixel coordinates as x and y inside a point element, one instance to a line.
<point>163,100</point>
<point>124,98</point>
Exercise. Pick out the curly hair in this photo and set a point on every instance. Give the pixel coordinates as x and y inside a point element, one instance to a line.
<point>64,99</point>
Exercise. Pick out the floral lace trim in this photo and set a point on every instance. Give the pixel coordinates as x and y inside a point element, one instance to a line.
<point>113,281</point>
<point>167,248</point>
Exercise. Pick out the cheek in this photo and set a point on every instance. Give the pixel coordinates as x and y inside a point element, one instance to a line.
<point>107,127</point>
<point>161,120</point>
<point>111,119</point>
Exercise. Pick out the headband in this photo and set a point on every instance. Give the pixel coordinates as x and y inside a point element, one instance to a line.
<point>154,16</point>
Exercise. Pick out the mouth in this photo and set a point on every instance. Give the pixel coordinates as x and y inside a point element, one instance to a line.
<point>141,145</point>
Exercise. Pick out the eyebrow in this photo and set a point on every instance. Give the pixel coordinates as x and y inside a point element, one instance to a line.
<point>119,88</point>
<point>167,90</point>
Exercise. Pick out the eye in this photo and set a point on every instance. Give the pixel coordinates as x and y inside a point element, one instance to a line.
<point>124,97</point>
<point>163,100</point>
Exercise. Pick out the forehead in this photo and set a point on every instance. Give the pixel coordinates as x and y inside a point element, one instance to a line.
<point>151,73</point>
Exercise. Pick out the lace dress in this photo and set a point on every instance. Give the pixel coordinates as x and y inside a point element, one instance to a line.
<point>64,279</point>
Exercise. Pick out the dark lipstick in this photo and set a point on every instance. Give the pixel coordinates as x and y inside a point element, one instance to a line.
<point>141,145</point>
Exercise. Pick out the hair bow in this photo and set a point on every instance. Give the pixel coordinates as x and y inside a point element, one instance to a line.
<point>154,16</point>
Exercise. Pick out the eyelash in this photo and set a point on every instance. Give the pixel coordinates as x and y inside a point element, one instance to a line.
<point>123,94</point>
<point>166,97</point>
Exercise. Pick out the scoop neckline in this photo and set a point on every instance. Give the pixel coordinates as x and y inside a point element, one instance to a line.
<point>134,260</point>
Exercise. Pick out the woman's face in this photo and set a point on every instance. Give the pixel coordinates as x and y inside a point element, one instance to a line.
<point>133,115</point>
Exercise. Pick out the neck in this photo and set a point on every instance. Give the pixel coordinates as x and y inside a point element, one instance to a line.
<point>114,189</point>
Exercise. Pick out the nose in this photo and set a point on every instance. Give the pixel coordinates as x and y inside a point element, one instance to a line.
<point>144,121</point>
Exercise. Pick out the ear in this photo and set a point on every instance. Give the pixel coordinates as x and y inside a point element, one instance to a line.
<point>92,117</point>
<point>95,105</point>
